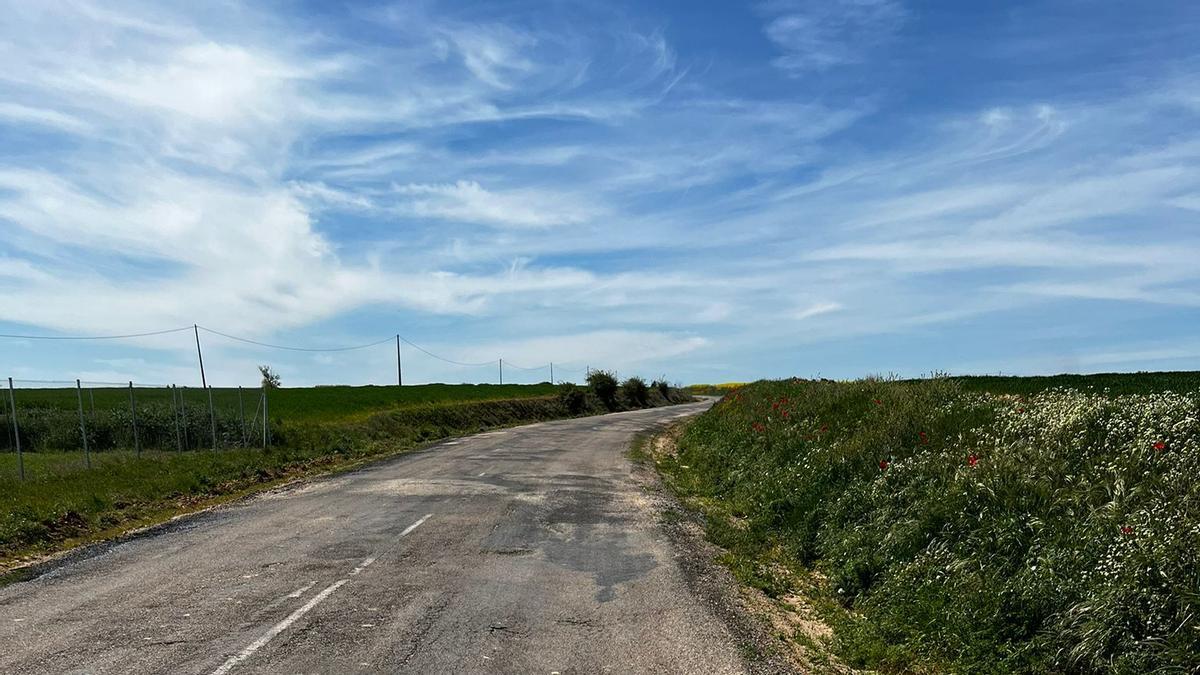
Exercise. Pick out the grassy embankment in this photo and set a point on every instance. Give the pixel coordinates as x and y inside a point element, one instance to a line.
<point>61,503</point>
<point>939,526</point>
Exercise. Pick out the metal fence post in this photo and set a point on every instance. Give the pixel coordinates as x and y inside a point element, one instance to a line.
<point>137,444</point>
<point>12,402</point>
<point>212,418</point>
<point>264,407</point>
<point>87,455</point>
<point>183,415</point>
<point>175,416</point>
<point>242,415</point>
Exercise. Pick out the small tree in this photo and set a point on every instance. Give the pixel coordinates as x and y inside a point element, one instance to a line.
<point>636,392</point>
<point>270,378</point>
<point>604,386</point>
<point>663,387</point>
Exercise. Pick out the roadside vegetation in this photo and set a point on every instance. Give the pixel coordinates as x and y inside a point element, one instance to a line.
<point>61,502</point>
<point>939,526</point>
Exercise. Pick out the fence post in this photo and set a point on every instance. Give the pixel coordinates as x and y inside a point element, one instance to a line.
<point>264,408</point>
<point>175,416</point>
<point>212,419</point>
<point>137,444</point>
<point>183,414</point>
<point>242,413</point>
<point>12,402</point>
<point>87,455</point>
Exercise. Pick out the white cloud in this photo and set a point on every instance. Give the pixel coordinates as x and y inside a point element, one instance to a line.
<point>816,35</point>
<point>468,201</point>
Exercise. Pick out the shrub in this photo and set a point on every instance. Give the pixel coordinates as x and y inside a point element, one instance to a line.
<point>573,398</point>
<point>636,393</point>
<point>664,389</point>
<point>604,385</point>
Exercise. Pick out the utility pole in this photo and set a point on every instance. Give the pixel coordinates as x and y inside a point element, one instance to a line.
<point>399,368</point>
<point>501,371</point>
<point>551,372</point>
<point>200,355</point>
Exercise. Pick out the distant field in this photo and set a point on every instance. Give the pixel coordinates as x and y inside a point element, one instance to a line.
<point>1116,383</point>
<point>49,418</point>
<point>294,403</point>
<point>982,524</point>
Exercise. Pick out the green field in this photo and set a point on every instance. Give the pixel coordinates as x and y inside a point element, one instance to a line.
<point>988,525</point>
<point>49,418</point>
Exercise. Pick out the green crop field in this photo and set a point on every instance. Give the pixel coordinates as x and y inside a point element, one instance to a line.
<point>988,525</point>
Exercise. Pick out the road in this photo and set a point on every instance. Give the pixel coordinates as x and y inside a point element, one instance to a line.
<point>527,550</point>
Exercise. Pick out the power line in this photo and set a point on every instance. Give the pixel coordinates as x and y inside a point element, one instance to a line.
<point>440,358</point>
<point>294,349</point>
<point>93,337</point>
<point>510,363</point>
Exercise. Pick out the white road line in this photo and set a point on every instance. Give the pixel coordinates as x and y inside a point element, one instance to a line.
<point>295,616</point>
<point>277,629</point>
<point>415,525</point>
<point>300,591</point>
<point>451,443</point>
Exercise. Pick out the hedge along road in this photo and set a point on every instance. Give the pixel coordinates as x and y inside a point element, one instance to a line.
<point>525,550</point>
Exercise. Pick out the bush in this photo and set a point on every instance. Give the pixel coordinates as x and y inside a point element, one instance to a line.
<point>604,385</point>
<point>636,393</point>
<point>572,398</point>
<point>663,388</point>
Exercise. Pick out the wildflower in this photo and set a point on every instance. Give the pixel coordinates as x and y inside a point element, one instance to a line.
<point>758,426</point>
<point>924,437</point>
<point>1125,529</point>
<point>785,414</point>
<point>876,401</point>
<point>972,460</point>
<point>883,464</point>
<point>824,428</point>
<point>1160,446</point>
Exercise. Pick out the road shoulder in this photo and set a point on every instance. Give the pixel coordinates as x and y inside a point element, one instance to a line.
<point>775,636</point>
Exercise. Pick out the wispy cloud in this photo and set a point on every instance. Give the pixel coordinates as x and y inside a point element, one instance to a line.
<point>590,184</point>
<point>817,35</point>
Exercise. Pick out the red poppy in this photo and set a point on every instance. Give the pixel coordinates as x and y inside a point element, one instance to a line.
<point>1125,529</point>
<point>785,414</point>
<point>876,401</point>
<point>824,428</point>
<point>1160,446</point>
<point>924,438</point>
<point>973,460</point>
<point>758,426</point>
<point>883,464</point>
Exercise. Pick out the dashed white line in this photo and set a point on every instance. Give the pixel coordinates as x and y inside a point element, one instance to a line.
<point>304,609</point>
<point>363,565</point>
<point>277,629</point>
<point>301,591</point>
<point>415,525</point>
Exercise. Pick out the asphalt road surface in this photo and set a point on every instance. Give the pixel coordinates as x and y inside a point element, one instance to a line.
<point>528,550</point>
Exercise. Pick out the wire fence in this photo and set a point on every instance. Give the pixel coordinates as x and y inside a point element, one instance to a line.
<point>83,418</point>
<point>79,418</point>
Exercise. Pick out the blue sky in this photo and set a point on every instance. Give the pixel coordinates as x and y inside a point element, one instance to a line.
<point>712,192</point>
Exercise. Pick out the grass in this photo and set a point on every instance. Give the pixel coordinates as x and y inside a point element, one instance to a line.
<point>940,526</point>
